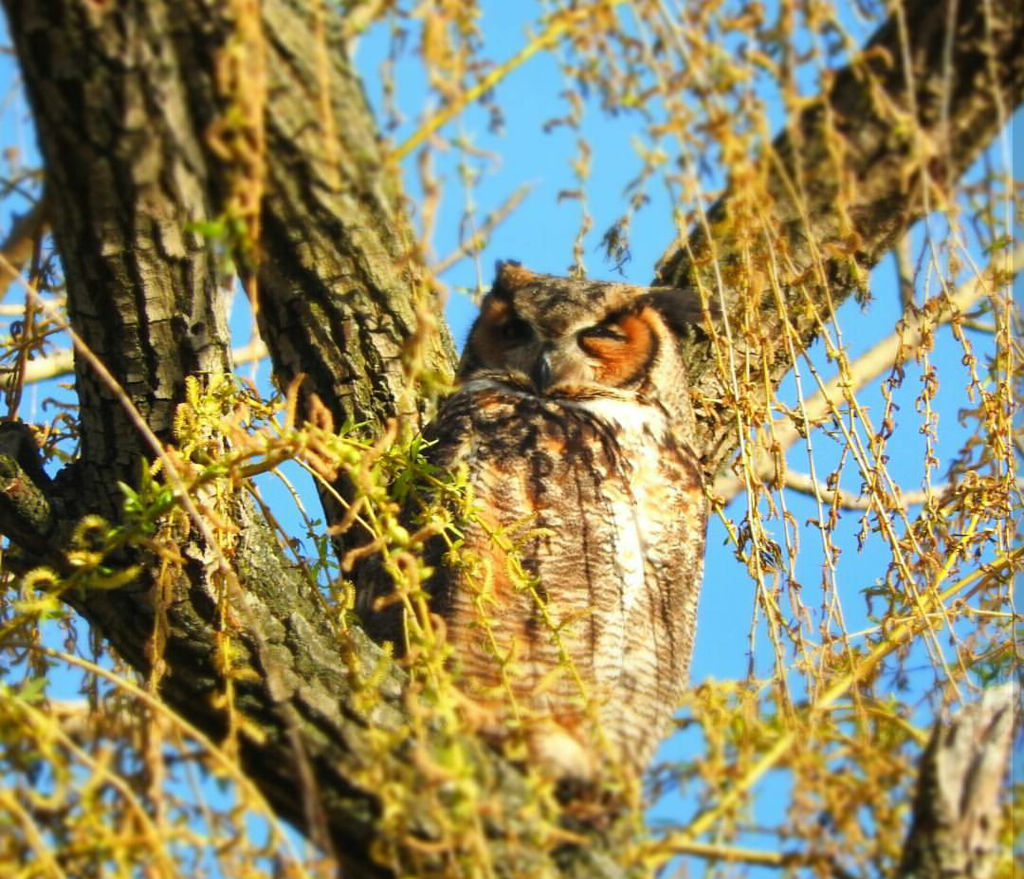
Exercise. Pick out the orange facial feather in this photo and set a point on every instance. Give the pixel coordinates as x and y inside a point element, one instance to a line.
<point>624,359</point>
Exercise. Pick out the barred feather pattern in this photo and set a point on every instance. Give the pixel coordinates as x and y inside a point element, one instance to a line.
<point>572,607</point>
<point>602,505</point>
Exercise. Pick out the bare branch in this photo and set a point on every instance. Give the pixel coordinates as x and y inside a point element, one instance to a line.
<point>914,329</point>
<point>847,500</point>
<point>479,240</point>
<point>63,362</point>
<point>337,278</point>
<point>904,272</point>
<point>821,236</point>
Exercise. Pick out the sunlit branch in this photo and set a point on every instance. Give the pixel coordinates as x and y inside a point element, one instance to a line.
<point>868,366</point>
<point>899,636</point>
<point>17,248</point>
<point>62,363</point>
<point>847,500</point>
<point>904,271</point>
<point>758,857</point>
<point>224,762</point>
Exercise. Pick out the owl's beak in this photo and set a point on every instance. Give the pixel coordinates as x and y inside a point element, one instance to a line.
<point>541,373</point>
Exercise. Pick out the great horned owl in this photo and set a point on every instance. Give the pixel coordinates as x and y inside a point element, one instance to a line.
<point>573,603</point>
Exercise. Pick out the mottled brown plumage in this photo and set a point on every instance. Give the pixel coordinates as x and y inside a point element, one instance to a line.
<point>574,606</point>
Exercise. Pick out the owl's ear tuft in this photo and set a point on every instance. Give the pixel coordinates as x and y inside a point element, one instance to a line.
<point>679,307</point>
<point>511,276</point>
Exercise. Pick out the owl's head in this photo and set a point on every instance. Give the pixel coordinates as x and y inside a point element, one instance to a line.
<point>570,337</point>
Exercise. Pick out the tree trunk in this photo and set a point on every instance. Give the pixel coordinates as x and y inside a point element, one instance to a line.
<point>955,828</point>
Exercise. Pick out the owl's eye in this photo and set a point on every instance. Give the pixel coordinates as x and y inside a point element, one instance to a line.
<point>515,330</point>
<point>610,332</point>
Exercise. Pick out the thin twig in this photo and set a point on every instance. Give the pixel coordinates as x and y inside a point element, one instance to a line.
<point>847,500</point>
<point>868,366</point>
<point>558,26</point>
<point>904,272</point>
<point>215,752</point>
<point>478,241</point>
<point>900,635</point>
<point>733,854</point>
<point>758,857</point>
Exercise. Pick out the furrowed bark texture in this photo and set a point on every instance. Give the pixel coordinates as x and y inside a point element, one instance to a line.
<point>845,179</point>
<point>129,174</point>
<point>130,101</point>
<point>128,177</point>
<point>126,98</point>
<point>339,290</point>
<point>110,105</point>
<point>339,279</point>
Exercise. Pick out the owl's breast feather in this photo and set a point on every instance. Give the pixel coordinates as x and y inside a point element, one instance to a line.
<point>605,509</point>
<point>643,495</point>
<point>611,452</point>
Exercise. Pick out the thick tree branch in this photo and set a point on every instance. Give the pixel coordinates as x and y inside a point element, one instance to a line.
<point>125,181</point>
<point>341,287</point>
<point>845,180</point>
<point>63,362</point>
<point>26,513</point>
<point>906,343</point>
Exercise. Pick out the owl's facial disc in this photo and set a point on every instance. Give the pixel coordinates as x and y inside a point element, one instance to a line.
<point>565,351</point>
<point>622,347</point>
<point>565,337</point>
<point>616,353</point>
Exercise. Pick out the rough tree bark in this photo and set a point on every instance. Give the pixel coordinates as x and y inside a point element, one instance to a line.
<point>129,102</point>
<point>954,830</point>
